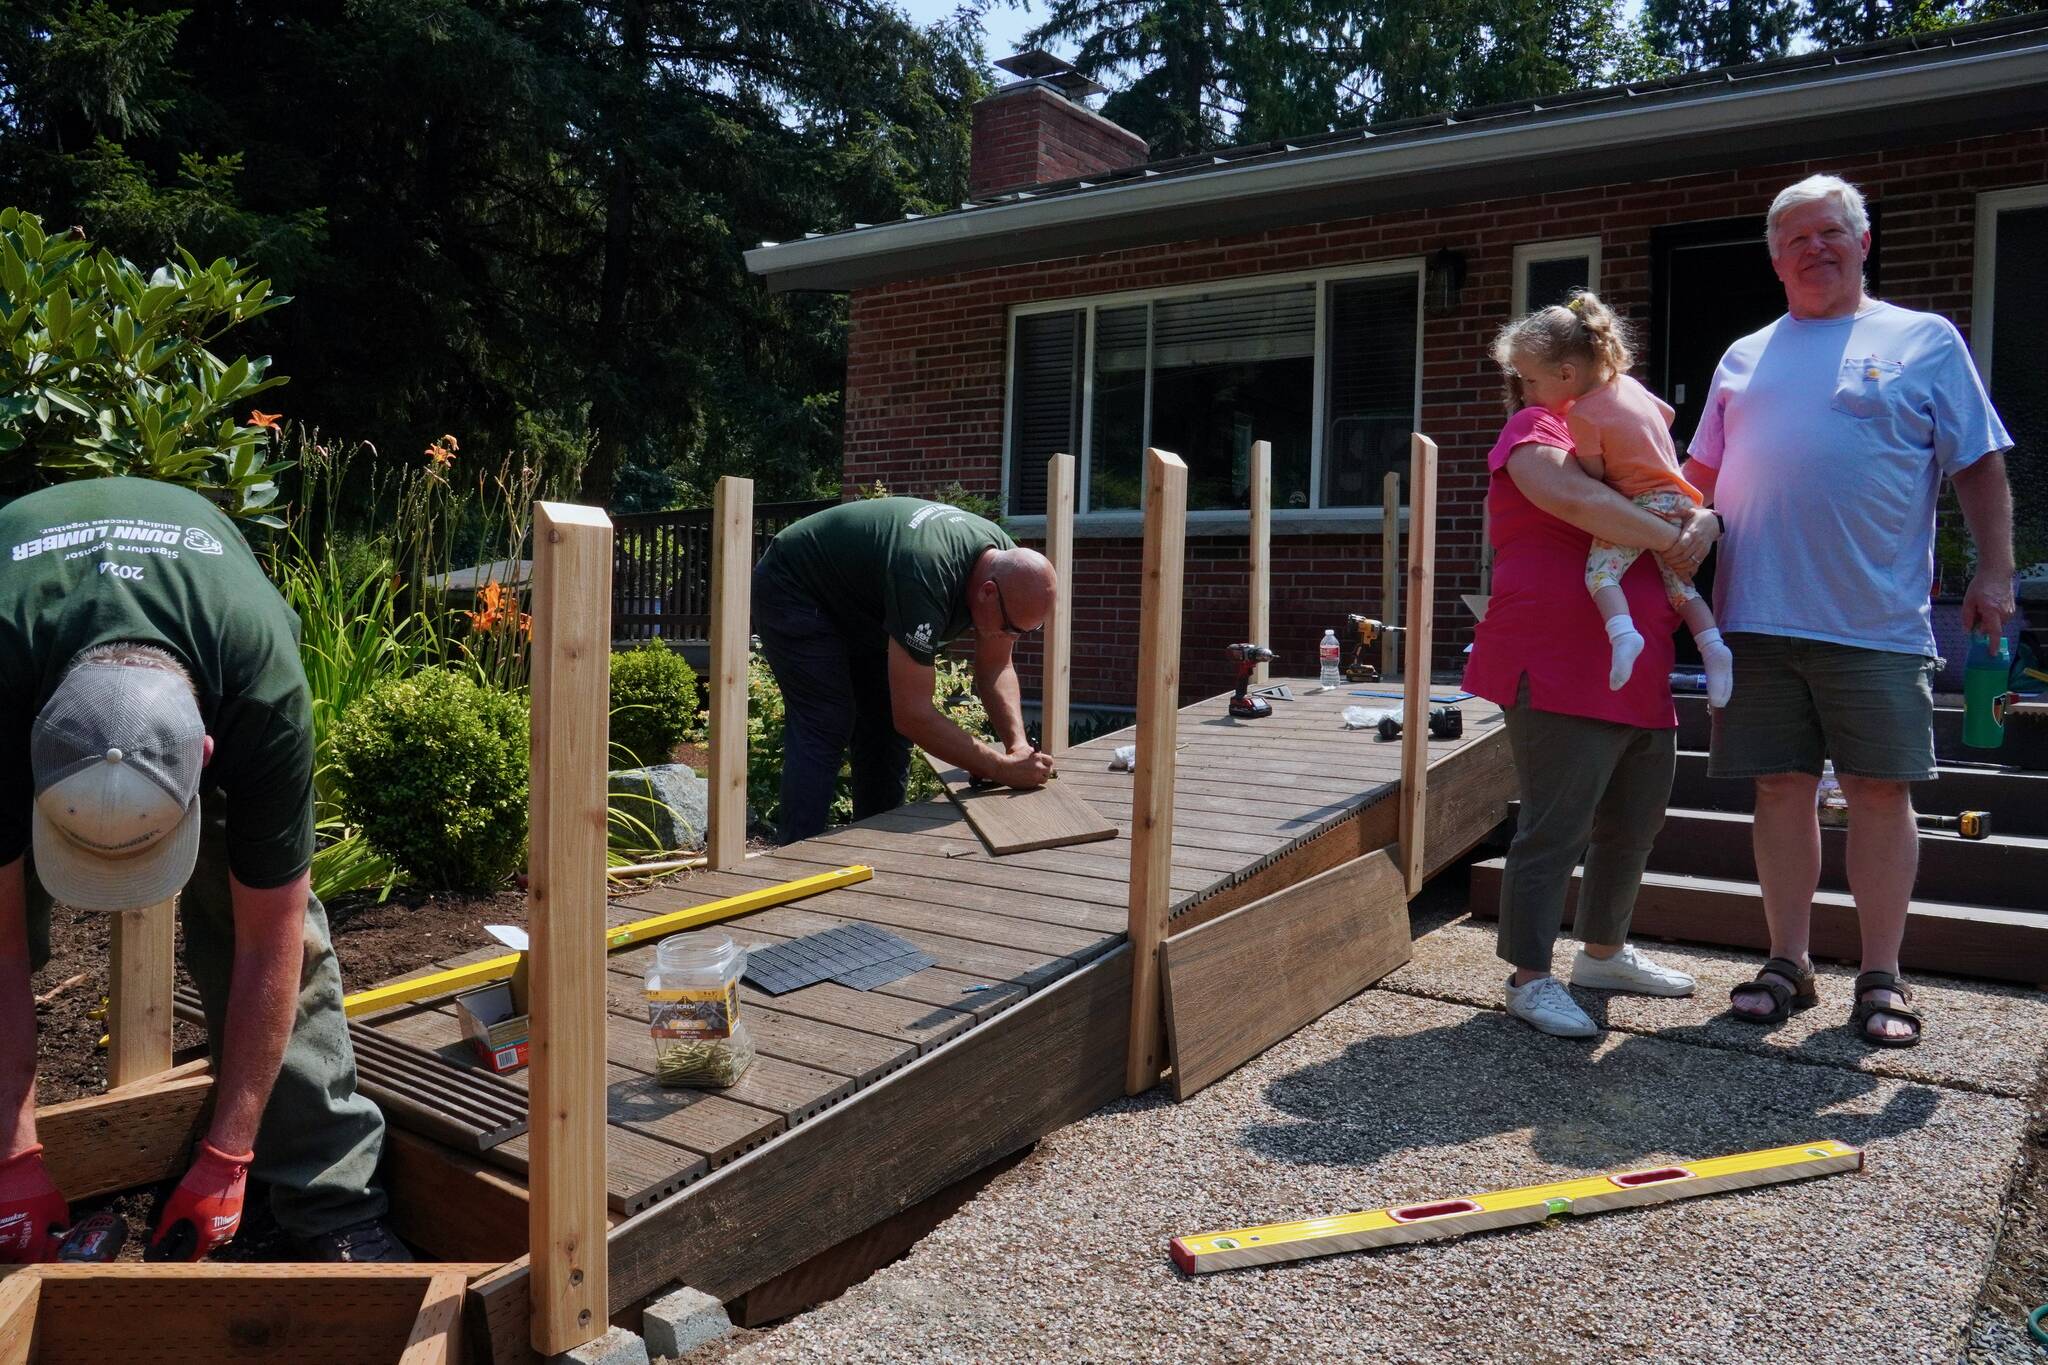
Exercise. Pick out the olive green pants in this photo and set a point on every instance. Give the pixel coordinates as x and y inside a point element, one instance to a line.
<point>319,1142</point>
<point>1590,789</point>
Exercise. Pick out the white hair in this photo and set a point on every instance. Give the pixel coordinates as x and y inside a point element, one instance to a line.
<point>1817,189</point>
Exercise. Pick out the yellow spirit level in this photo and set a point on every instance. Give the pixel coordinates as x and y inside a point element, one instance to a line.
<point>1207,1251</point>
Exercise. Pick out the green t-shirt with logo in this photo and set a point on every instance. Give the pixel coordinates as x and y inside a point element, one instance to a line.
<point>891,566</point>
<point>101,561</point>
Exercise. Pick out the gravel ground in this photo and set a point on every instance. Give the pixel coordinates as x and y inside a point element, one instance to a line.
<point>1402,1096</point>
<point>1979,1036</point>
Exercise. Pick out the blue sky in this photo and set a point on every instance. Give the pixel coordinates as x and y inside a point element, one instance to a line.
<point>1004,26</point>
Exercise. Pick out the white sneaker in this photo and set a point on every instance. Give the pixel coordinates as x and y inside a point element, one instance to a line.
<point>1546,1006</point>
<point>1628,970</point>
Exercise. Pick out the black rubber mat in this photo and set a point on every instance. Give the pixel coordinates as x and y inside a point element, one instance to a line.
<point>856,955</point>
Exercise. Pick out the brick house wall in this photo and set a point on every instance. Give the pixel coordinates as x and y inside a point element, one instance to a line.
<point>925,373</point>
<point>1027,134</point>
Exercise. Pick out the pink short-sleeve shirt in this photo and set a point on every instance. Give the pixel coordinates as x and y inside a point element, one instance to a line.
<point>1541,622</point>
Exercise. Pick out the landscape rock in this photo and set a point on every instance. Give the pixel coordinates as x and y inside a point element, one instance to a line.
<point>669,798</point>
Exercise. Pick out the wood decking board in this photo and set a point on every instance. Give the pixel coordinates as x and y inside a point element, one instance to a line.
<point>961,962</point>
<point>918,816</point>
<point>937,867</point>
<point>1239,984</point>
<point>975,906</point>
<point>1059,862</point>
<point>963,909</point>
<point>967,923</point>
<point>707,1123</point>
<point>1011,821</point>
<point>955,981</point>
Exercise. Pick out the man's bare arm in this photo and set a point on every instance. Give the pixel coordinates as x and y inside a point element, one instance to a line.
<point>920,722</point>
<point>995,682</point>
<point>263,999</point>
<point>1986,499</point>
<point>17,1016</point>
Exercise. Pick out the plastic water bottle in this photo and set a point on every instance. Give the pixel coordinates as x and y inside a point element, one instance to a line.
<point>1330,652</point>
<point>1987,677</point>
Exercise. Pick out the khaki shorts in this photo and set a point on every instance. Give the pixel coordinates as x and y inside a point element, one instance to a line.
<point>1797,702</point>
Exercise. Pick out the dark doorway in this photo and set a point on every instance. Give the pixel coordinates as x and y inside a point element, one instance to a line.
<point>1710,283</point>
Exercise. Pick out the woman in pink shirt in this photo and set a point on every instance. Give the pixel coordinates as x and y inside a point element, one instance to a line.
<point>1593,765</point>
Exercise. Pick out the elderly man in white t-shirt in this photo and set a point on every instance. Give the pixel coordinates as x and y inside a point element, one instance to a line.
<point>1823,445</point>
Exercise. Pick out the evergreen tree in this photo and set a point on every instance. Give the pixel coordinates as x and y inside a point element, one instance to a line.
<point>1706,33</point>
<point>518,220</point>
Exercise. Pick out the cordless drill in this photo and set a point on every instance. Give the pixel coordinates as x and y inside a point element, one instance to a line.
<point>1368,632</point>
<point>1243,706</point>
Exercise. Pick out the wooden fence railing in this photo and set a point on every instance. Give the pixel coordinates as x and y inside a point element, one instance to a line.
<point>661,568</point>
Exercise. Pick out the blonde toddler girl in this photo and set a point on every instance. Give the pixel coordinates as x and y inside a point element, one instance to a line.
<point>1574,360</point>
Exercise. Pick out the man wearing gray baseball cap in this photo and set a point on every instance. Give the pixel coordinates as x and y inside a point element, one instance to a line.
<point>156,739</point>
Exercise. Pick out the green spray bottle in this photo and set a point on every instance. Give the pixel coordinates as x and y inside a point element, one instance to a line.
<point>1987,679</point>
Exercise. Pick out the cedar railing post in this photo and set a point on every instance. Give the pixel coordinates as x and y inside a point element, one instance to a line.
<point>1390,568</point>
<point>1166,524</point>
<point>1415,683</point>
<point>140,976</point>
<point>1260,495</point>
<point>572,563</point>
<point>1059,627</point>
<point>732,580</point>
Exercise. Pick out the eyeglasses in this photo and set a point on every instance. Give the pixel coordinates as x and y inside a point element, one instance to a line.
<point>1010,628</point>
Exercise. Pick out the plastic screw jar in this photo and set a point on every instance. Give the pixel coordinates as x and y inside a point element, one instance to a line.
<point>693,1011</point>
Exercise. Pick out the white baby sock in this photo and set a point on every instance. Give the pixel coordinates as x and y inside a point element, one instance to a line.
<point>1626,644</point>
<point>1720,662</point>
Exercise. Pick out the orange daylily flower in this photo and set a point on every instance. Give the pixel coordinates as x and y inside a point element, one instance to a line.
<point>267,420</point>
<point>441,453</point>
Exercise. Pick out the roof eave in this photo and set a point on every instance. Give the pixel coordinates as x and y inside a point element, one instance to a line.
<point>1969,92</point>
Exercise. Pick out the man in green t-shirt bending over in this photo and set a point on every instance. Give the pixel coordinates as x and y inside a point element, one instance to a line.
<point>853,605</point>
<point>146,661</point>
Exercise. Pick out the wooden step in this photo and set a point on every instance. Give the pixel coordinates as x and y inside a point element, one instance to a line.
<point>2005,869</point>
<point>1957,940</point>
<point>2026,735</point>
<point>2018,801</point>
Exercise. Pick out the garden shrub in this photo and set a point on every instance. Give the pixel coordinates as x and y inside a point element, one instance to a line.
<point>433,768</point>
<point>654,703</point>
<point>953,693</point>
<point>109,369</point>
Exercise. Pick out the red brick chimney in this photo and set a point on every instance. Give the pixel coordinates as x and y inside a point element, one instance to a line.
<point>1036,131</point>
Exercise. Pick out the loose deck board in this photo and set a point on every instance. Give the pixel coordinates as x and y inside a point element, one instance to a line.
<point>1239,984</point>
<point>1012,821</point>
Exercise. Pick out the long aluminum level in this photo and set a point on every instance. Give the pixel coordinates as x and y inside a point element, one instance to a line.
<point>1203,1252</point>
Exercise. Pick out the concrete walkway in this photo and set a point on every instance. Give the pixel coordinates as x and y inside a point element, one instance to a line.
<point>1421,1088</point>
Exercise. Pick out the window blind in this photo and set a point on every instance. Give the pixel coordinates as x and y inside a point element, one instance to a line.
<point>1222,329</point>
<point>1045,397</point>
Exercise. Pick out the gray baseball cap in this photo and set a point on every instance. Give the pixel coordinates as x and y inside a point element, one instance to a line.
<point>116,755</point>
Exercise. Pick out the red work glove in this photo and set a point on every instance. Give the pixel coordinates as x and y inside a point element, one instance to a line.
<point>206,1208</point>
<point>31,1209</point>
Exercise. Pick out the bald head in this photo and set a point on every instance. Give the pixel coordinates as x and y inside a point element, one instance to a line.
<point>1013,588</point>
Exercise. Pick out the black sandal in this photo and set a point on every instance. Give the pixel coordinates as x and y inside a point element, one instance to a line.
<point>1786,1000</point>
<point>1868,983</point>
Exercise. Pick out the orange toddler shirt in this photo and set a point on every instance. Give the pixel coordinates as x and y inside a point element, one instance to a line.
<point>1629,428</point>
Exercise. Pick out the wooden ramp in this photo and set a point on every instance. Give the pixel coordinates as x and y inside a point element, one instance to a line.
<point>864,1103</point>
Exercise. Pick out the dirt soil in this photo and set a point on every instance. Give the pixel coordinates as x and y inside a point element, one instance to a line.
<point>373,941</point>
